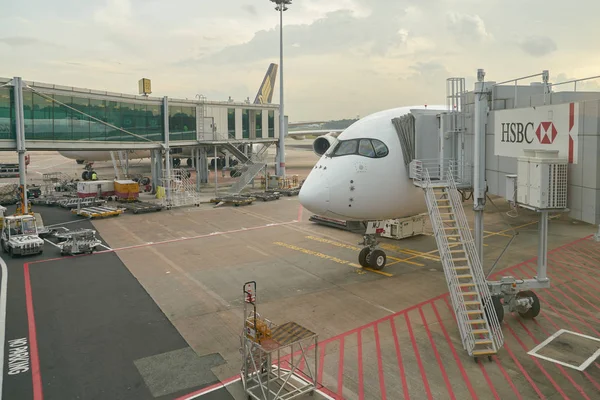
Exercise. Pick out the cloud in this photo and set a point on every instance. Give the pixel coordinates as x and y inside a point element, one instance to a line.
<point>467,26</point>
<point>538,46</point>
<point>22,41</point>
<point>250,9</point>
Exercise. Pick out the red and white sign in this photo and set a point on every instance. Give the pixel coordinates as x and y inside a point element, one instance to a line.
<point>552,127</point>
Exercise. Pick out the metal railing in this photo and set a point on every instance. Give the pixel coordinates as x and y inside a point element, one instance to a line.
<point>475,264</point>
<point>460,309</point>
<point>440,170</point>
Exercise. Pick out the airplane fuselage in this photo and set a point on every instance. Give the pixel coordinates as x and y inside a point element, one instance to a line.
<point>362,177</point>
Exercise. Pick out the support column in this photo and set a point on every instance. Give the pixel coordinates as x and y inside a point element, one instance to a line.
<point>479,183</point>
<point>197,164</point>
<point>216,174</point>
<point>153,170</point>
<point>167,151</point>
<point>20,136</point>
<point>542,247</point>
<point>203,165</point>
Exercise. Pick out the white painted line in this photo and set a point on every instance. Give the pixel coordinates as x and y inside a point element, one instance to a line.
<point>581,367</point>
<point>65,223</point>
<point>3,288</point>
<point>545,342</point>
<point>106,247</point>
<point>53,244</point>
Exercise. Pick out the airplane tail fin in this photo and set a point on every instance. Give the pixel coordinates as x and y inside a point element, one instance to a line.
<point>265,92</point>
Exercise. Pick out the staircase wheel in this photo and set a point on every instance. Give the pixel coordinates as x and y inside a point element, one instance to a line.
<point>497,302</point>
<point>377,259</point>
<point>535,307</point>
<point>362,257</point>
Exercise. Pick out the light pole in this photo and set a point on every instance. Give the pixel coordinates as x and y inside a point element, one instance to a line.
<point>281,7</point>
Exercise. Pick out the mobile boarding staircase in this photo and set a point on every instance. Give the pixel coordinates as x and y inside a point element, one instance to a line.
<point>472,302</point>
<point>250,168</point>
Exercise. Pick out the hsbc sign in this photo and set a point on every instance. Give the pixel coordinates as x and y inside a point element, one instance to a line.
<point>552,127</point>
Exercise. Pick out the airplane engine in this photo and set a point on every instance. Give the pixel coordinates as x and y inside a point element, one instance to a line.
<point>322,143</point>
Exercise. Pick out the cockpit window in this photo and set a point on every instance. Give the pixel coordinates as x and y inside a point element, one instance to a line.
<point>381,149</point>
<point>371,148</point>
<point>345,148</point>
<point>365,148</point>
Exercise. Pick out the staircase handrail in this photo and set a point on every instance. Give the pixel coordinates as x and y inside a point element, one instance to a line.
<point>468,338</point>
<point>475,263</point>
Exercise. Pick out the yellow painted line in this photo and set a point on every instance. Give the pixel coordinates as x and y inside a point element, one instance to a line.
<point>348,246</point>
<point>330,258</point>
<point>332,242</point>
<point>372,270</point>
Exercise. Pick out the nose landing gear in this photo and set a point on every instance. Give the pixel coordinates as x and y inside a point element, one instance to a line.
<point>371,256</point>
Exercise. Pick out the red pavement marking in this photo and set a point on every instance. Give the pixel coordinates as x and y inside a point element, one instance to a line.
<point>379,364</point>
<point>341,368</point>
<point>437,355</point>
<point>456,358</point>
<point>416,350</point>
<point>399,358</point>
<point>361,387</point>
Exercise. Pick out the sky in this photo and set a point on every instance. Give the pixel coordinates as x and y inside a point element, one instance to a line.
<point>342,58</point>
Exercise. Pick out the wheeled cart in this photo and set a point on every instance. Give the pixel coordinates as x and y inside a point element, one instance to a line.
<point>266,375</point>
<point>77,242</point>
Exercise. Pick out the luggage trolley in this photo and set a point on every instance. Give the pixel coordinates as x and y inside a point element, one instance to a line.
<point>275,378</point>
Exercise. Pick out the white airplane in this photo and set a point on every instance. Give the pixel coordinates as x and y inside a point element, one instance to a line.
<point>362,177</point>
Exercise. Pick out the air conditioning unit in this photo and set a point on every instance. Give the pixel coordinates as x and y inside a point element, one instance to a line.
<point>542,180</point>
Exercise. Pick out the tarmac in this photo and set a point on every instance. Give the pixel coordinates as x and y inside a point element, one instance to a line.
<point>158,312</point>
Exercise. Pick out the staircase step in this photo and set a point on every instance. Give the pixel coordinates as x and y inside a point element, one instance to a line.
<point>448,221</point>
<point>469,293</point>
<point>461,267</point>
<point>472,303</point>
<point>487,352</point>
<point>474,312</point>
<point>483,341</point>
<point>479,331</point>
<point>457,251</point>
<point>452,235</point>
<point>451,227</point>
<point>466,276</point>
<point>477,321</point>
<point>444,206</point>
<point>467,284</point>
<point>459,259</point>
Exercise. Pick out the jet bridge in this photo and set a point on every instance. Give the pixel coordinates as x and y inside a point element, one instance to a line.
<point>523,142</point>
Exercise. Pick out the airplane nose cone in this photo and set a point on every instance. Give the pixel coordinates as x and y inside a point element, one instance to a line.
<point>314,195</point>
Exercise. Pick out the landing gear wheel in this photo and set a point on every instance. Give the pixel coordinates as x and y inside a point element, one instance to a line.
<point>498,308</point>
<point>190,162</point>
<point>535,307</point>
<point>377,259</point>
<point>362,257</point>
<point>85,175</point>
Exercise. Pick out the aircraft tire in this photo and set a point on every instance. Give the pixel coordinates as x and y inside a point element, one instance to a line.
<point>362,257</point>
<point>377,259</point>
<point>85,175</point>
<point>190,162</point>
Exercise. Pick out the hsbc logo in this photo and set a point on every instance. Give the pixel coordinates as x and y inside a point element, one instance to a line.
<point>518,132</point>
<point>546,132</point>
